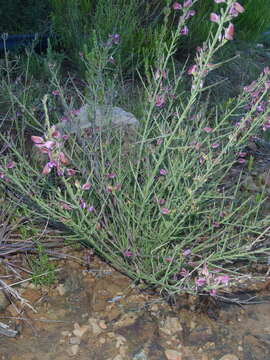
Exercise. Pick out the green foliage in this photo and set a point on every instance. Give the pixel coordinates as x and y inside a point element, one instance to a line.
<point>93,22</point>
<point>21,17</point>
<point>160,202</point>
<point>249,25</point>
<point>43,269</point>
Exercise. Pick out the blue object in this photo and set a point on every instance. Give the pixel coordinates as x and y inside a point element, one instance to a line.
<point>265,38</point>
<point>11,42</point>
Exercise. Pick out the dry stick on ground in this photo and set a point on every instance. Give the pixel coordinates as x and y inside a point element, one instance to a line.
<point>12,293</point>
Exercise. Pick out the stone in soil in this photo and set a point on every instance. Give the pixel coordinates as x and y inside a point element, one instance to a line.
<point>229,357</point>
<point>173,355</point>
<point>171,326</point>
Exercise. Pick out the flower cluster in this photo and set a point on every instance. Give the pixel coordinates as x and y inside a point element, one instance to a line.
<point>234,10</point>
<point>52,145</point>
<point>256,102</point>
<point>164,94</point>
<point>200,69</point>
<point>207,280</point>
<point>187,14</point>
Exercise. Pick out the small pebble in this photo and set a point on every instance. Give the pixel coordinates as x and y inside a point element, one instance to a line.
<point>102,340</point>
<point>102,325</point>
<point>74,350</point>
<point>173,355</point>
<point>229,357</point>
<point>74,340</point>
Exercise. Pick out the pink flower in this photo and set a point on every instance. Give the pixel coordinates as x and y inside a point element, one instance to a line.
<point>48,167</point>
<point>192,69</point>
<point>46,145</point>
<point>159,201</point>
<point>56,134</point>
<point>168,259</point>
<point>219,1</point>
<point>213,292</point>
<point>214,18</point>
<point>187,3</point>
<point>191,13</point>
<point>222,279</point>
<point>229,32</point>
<point>215,145</point>
<point>184,31</point>
<point>11,164</point>
<point>200,281</point>
<point>86,186</point>
<point>56,92</point>
<point>238,7</point>
<point>177,6</point>
<point>165,211</point>
<point>37,139</point>
<point>163,172</point>
<point>91,208</point>
<point>241,161</point>
<point>62,157</point>
<point>159,141</point>
<point>111,175</point>
<point>71,172</point>
<point>216,224</point>
<point>184,272</point>
<point>160,100</point>
<point>127,253</point>
<point>208,129</point>
<point>66,207</point>
<point>242,154</point>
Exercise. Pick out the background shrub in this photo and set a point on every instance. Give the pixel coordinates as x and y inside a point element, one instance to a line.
<point>249,25</point>
<point>24,16</point>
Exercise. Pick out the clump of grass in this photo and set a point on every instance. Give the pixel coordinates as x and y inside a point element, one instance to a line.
<point>43,270</point>
<point>157,204</point>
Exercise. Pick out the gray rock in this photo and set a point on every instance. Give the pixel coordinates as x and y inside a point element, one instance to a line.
<point>101,116</point>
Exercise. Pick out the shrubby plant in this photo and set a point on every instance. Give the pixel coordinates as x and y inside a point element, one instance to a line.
<point>252,22</point>
<point>24,17</point>
<point>87,25</point>
<point>162,206</point>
